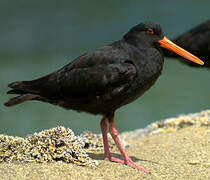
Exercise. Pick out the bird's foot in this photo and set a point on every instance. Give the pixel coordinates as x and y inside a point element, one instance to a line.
<point>128,162</point>
<point>113,159</point>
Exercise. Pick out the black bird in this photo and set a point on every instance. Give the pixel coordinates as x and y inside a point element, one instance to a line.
<point>196,41</point>
<point>103,80</point>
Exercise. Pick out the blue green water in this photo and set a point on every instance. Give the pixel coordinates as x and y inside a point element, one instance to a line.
<point>37,37</point>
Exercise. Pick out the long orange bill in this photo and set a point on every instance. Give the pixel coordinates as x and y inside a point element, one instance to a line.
<point>166,43</point>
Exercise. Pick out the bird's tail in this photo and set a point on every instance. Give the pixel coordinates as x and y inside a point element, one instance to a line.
<point>21,88</point>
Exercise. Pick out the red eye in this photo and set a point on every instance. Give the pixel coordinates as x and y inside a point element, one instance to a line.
<point>150,31</point>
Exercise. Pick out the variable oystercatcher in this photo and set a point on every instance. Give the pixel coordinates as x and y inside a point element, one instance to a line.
<point>197,41</point>
<point>103,80</point>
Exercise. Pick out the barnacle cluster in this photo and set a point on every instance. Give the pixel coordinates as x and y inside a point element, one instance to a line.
<point>56,144</point>
<point>174,124</point>
<point>170,125</point>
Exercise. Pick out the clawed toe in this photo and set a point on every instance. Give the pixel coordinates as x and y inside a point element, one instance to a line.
<point>128,162</point>
<point>133,165</point>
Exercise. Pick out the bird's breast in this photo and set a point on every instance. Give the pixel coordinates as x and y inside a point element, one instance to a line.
<point>149,65</point>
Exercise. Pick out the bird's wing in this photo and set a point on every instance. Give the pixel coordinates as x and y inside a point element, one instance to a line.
<point>105,77</point>
<point>99,73</point>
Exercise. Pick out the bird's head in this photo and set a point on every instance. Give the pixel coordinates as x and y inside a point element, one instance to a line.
<point>149,34</point>
<point>145,34</point>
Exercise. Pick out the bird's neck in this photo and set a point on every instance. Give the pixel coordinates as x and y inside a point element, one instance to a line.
<point>143,46</point>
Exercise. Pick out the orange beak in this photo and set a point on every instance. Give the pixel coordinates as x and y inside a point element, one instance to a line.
<point>166,43</point>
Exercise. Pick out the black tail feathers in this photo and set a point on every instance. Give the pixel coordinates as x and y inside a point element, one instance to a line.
<point>19,87</point>
<point>17,84</point>
<point>21,98</point>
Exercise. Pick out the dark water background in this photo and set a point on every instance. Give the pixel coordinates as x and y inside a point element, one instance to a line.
<point>37,37</point>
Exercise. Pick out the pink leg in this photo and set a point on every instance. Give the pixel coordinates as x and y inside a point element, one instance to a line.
<point>127,160</point>
<point>107,154</point>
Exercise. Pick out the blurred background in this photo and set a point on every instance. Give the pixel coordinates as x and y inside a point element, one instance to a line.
<point>38,37</point>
